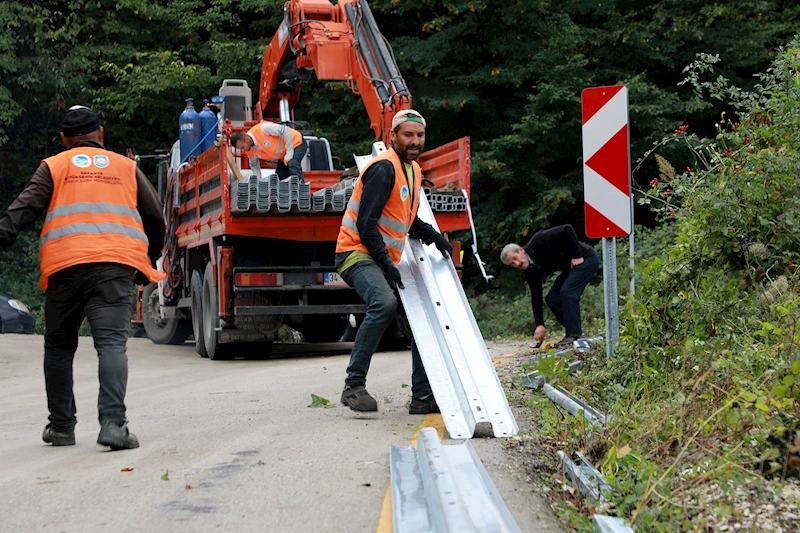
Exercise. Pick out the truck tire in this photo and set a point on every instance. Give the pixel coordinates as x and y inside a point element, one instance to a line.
<point>162,330</point>
<point>197,313</point>
<point>214,349</point>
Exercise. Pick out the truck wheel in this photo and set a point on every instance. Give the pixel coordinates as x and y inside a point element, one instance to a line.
<point>197,313</point>
<point>162,330</point>
<point>214,349</point>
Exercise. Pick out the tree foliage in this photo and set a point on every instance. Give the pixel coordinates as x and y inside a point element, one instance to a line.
<point>508,74</point>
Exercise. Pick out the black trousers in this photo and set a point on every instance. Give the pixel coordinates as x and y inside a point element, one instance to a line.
<point>564,298</point>
<point>101,293</point>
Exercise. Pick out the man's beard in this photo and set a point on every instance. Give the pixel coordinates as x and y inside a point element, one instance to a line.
<point>405,156</point>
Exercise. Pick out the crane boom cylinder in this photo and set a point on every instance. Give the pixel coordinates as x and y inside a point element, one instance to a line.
<point>373,73</point>
<point>283,109</point>
<point>391,72</point>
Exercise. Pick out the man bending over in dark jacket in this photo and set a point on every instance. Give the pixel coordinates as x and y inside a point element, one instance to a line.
<point>551,250</point>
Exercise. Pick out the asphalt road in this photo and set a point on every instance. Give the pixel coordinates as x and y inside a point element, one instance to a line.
<point>225,445</point>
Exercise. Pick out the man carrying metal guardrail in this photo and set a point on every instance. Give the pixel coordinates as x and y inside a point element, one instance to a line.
<point>379,216</point>
<point>551,250</point>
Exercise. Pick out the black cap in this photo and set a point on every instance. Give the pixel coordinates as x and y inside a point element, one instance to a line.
<point>79,120</point>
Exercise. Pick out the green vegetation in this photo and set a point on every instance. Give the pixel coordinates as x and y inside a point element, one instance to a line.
<point>705,385</point>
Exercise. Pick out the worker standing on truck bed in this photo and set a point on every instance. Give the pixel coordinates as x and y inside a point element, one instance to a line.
<point>381,212</point>
<point>103,224</point>
<point>276,143</point>
<point>551,250</point>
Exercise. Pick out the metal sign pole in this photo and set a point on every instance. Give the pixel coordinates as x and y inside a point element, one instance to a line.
<point>630,248</point>
<point>631,254</point>
<point>610,286</point>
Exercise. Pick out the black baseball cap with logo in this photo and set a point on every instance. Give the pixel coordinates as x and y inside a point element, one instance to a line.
<point>79,120</point>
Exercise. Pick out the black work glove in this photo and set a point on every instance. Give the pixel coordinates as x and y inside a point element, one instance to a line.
<point>393,277</point>
<point>140,279</point>
<point>443,245</point>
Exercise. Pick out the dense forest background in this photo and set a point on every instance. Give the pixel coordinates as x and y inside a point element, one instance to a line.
<point>507,74</point>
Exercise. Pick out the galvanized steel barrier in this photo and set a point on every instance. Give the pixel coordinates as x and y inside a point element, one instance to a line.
<point>440,489</point>
<point>459,367</point>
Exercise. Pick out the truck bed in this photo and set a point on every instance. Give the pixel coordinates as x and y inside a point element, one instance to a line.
<point>209,193</point>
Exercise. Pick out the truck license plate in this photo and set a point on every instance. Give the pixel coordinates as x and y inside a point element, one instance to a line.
<point>333,278</point>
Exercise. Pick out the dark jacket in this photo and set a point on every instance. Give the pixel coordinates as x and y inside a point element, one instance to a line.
<point>551,250</point>
<point>378,183</point>
<point>35,199</point>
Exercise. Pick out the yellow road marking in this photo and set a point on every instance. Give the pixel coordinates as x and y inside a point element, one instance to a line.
<point>434,420</point>
<point>386,520</point>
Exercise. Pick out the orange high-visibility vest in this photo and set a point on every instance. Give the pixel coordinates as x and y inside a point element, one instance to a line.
<point>397,216</point>
<point>271,147</point>
<point>92,216</point>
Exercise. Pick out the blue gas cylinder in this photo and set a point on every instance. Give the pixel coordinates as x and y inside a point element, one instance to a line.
<point>208,125</point>
<point>189,125</point>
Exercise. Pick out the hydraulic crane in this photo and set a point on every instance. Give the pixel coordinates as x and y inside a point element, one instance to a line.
<point>245,256</point>
<point>336,42</point>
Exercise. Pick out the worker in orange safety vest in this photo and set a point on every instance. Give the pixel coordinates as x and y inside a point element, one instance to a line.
<point>276,143</point>
<point>103,229</point>
<point>380,214</point>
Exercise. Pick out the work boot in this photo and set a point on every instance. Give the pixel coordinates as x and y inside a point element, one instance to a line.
<point>357,398</point>
<point>116,436</point>
<point>566,342</point>
<point>58,438</point>
<point>423,406</point>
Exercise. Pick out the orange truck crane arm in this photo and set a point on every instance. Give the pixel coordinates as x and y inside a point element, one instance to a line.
<point>336,42</point>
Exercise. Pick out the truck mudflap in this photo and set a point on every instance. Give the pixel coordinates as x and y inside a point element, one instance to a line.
<point>251,329</point>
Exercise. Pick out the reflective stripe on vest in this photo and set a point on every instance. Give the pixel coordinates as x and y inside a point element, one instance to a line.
<point>92,208</point>
<point>92,229</point>
<point>388,240</point>
<point>383,220</point>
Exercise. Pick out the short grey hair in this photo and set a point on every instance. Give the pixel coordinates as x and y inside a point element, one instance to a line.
<point>509,249</point>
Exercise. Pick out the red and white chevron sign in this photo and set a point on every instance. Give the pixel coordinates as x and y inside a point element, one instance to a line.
<point>606,161</point>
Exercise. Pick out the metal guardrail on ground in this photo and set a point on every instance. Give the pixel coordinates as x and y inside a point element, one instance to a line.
<point>444,489</point>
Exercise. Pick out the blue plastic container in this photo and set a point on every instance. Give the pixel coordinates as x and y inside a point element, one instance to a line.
<point>208,123</point>
<point>189,126</point>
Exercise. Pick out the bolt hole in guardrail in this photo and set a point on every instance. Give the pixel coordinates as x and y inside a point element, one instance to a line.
<point>438,303</point>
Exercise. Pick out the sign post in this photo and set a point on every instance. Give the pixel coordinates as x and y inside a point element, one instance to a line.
<point>607,185</point>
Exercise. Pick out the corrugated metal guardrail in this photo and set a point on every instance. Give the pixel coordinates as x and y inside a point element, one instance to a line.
<point>438,489</point>
<point>459,367</point>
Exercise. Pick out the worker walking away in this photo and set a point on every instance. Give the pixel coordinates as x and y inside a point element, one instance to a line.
<point>381,212</point>
<point>103,228</point>
<point>552,250</point>
<point>276,143</point>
